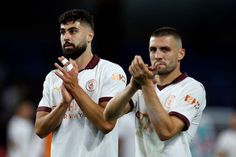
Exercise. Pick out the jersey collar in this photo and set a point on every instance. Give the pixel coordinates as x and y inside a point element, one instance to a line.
<point>92,63</point>
<point>178,79</point>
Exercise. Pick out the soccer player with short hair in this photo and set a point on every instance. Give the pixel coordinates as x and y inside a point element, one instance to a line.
<point>168,103</point>
<point>75,95</point>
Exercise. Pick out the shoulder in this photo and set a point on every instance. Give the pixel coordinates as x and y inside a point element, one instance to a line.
<point>51,76</point>
<point>190,82</point>
<point>110,67</point>
<point>112,70</point>
<point>109,64</point>
<point>194,90</point>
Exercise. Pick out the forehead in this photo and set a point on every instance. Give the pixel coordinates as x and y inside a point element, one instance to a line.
<point>162,41</point>
<point>70,24</point>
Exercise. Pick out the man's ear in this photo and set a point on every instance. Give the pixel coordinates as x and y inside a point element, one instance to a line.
<point>90,36</point>
<point>181,54</point>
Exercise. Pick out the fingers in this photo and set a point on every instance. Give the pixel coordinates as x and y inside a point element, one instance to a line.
<point>63,70</point>
<point>154,70</point>
<point>138,66</point>
<point>69,67</point>
<point>68,70</point>
<point>140,71</point>
<point>134,68</point>
<point>60,72</point>
<point>67,64</point>
<point>141,63</point>
<point>139,59</point>
<point>63,60</point>
<point>73,63</point>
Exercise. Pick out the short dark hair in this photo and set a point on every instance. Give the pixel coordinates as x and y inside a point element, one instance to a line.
<point>77,15</point>
<point>166,31</point>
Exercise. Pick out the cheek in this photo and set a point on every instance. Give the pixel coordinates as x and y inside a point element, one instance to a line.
<point>174,63</point>
<point>152,58</point>
<point>61,39</point>
<point>171,60</point>
<point>79,39</point>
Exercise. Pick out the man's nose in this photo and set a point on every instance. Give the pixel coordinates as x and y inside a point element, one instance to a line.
<point>66,36</point>
<point>158,54</point>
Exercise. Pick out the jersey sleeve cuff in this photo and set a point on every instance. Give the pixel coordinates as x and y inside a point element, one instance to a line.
<point>131,104</point>
<point>102,99</point>
<point>44,108</point>
<point>183,118</point>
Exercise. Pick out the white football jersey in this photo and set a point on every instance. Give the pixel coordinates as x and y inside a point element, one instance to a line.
<point>77,136</point>
<point>184,98</point>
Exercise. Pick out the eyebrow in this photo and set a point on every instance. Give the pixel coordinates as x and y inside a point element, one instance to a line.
<point>69,28</point>
<point>152,47</point>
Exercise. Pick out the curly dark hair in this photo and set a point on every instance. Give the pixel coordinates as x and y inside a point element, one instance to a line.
<point>77,15</point>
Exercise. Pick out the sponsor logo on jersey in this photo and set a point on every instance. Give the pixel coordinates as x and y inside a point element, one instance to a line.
<point>74,112</point>
<point>91,85</point>
<point>118,77</point>
<point>191,100</point>
<point>56,89</point>
<point>74,115</point>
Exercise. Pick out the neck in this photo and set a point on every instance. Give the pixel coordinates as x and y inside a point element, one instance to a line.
<point>83,60</point>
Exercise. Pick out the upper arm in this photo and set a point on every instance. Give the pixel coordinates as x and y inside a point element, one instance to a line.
<point>39,123</point>
<point>113,80</point>
<point>190,103</point>
<point>178,124</point>
<point>41,114</point>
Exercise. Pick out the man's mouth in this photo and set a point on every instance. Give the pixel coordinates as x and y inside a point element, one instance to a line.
<point>67,45</point>
<point>159,65</point>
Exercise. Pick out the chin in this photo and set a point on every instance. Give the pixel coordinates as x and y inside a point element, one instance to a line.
<point>68,51</point>
<point>162,72</point>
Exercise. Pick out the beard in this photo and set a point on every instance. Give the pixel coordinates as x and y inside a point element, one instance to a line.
<point>74,52</point>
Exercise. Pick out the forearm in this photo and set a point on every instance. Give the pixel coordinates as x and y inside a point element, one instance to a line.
<point>159,118</point>
<point>47,122</point>
<point>92,110</point>
<point>118,105</point>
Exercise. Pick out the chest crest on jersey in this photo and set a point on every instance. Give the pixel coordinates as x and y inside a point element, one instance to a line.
<point>169,101</point>
<point>91,85</point>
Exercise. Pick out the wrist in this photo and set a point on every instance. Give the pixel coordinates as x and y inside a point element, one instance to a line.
<point>148,83</point>
<point>64,104</point>
<point>133,87</point>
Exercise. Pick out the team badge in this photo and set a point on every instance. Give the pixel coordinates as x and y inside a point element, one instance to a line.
<point>169,101</point>
<point>91,85</point>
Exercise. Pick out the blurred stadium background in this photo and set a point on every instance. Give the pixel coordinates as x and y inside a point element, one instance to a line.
<point>29,44</point>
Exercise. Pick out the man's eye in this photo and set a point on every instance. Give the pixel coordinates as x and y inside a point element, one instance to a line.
<point>165,49</point>
<point>62,32</point>
<point>72,31</point>
<point>152,49</point>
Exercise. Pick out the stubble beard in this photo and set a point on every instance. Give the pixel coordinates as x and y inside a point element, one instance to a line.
<point>166,71</point>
